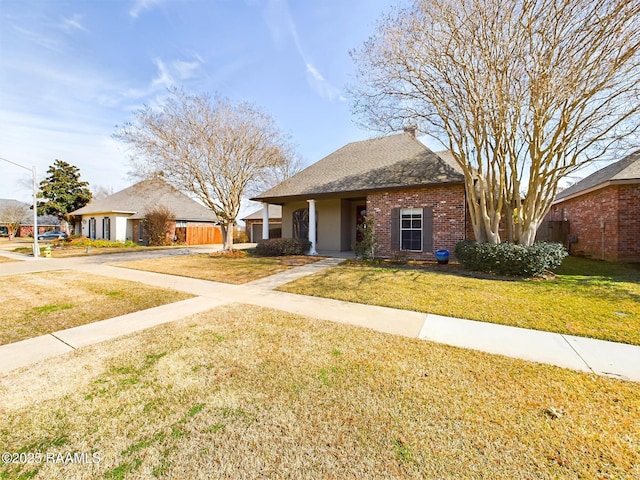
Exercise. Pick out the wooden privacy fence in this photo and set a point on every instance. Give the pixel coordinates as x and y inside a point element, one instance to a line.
<point>554,231</point>
<point>199,235</point>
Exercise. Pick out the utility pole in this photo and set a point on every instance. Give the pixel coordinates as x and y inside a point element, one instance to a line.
<point>36,248</point>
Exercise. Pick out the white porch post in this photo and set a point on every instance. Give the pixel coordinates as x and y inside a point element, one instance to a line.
<point>265,221</point>
<point>312,227</point>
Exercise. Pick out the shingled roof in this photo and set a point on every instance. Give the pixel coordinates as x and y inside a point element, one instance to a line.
<point>390,162</point>
<point>622,171</point>
<point>275,211</point>
<point>137,199</point>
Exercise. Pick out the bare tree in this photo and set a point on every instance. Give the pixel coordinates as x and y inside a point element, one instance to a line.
<point>211,148</point>
<point>12,215</point>
<point>523,92</point>
<point>100,192</point>
<point>279,173</point>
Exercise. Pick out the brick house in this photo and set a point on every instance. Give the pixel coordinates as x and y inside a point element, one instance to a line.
<point>603,212</point>
<point>120,216</point>
<point>416,198</point>
<point>25,229</point>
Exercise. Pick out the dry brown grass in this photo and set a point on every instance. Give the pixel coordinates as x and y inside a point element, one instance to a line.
<point>243,392</point>
<point>220,268</point>
<point>38,303</point>
<point>6,259</point>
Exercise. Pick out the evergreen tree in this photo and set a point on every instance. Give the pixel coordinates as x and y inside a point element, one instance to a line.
<point>63,191</point>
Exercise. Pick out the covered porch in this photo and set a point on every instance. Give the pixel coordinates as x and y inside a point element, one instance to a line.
<point>330,224</point>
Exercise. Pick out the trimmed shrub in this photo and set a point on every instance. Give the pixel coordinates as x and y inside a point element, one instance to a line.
<point>277,247</point>
<point>80,241</point>
<point>229,254</point>
<point>509,258</point>
<point>240,236</point>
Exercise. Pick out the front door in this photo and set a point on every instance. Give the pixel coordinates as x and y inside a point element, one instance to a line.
<point>106,228</point>
<point>92,228</point>
<point>361,214</point>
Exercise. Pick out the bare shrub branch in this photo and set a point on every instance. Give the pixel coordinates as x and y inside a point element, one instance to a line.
<point>159,222</point>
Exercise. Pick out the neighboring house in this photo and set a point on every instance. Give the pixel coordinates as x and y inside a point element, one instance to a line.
<point>603,212</point>
<point>416,197</point>
<point>120,216</point>
<point>254,223</point>
<point>45,222</point>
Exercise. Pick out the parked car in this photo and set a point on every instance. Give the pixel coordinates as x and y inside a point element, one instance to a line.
<point>4,231</point>
<point>52,236</point>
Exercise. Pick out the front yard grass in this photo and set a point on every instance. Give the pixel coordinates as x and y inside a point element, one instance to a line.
<point>6,259</point>
<point>217,268</point>
<point>587,298</point>
<point>35,304</point>
<point>246,392</point>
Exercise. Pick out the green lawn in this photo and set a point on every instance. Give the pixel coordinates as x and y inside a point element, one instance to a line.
<point>587,298</point>
<point>219,268</point>
<point>244,392</point>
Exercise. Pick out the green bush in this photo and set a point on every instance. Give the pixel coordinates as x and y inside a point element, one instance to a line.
<point>367,247</point>
<point>80,241</point>
<point>509,258</point>
<point>277,247</point>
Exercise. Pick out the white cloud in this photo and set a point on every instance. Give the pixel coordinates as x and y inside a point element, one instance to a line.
<point>141,5</point>
<point>321,86</point>
<point>35,140</point>
<point>164,79</point>
<point>169,74</point>
<point>73,23</point>
<point>45,41</point>
<point>281,25</point>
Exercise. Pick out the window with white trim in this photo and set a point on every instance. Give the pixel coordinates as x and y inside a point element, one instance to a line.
<point>411,229</point>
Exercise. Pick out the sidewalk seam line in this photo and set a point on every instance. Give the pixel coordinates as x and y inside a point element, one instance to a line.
<point>578,354</point>
<point>60,340</point>
<point>423,327</point>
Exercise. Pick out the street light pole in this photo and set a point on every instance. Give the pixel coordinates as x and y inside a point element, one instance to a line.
<point>36,248</point>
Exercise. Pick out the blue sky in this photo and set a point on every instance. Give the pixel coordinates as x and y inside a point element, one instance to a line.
<point>70,70</point>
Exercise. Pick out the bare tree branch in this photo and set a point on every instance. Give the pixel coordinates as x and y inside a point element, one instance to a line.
<point>522,92</point>
<point>212,148</point>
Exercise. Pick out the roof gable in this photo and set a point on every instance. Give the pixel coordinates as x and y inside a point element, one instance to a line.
<point>137,199</point>
<point>626,169</point>
<point>275,212</point>
<point>387,162</point>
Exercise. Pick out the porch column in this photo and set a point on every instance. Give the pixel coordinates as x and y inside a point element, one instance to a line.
<point>265,221</point>
<point>312,226</point>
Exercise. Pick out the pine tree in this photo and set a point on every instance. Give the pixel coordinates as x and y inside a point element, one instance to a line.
<point>63,191</point>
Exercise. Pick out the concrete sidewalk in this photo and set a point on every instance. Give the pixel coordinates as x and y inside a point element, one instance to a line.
<point>583,354</point>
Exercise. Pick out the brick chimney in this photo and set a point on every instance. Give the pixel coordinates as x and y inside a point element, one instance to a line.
<point>411,129</point>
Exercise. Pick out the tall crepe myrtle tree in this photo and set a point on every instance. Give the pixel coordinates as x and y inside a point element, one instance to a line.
<point>522,92</point>
<point>209,147</point>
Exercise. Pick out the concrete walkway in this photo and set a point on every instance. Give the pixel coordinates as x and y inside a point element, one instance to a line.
<point>577,353</point>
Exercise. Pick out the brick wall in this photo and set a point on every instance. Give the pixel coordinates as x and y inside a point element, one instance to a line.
<point>606,222</point>
<point>629,222</point>
<point>447,202</point>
